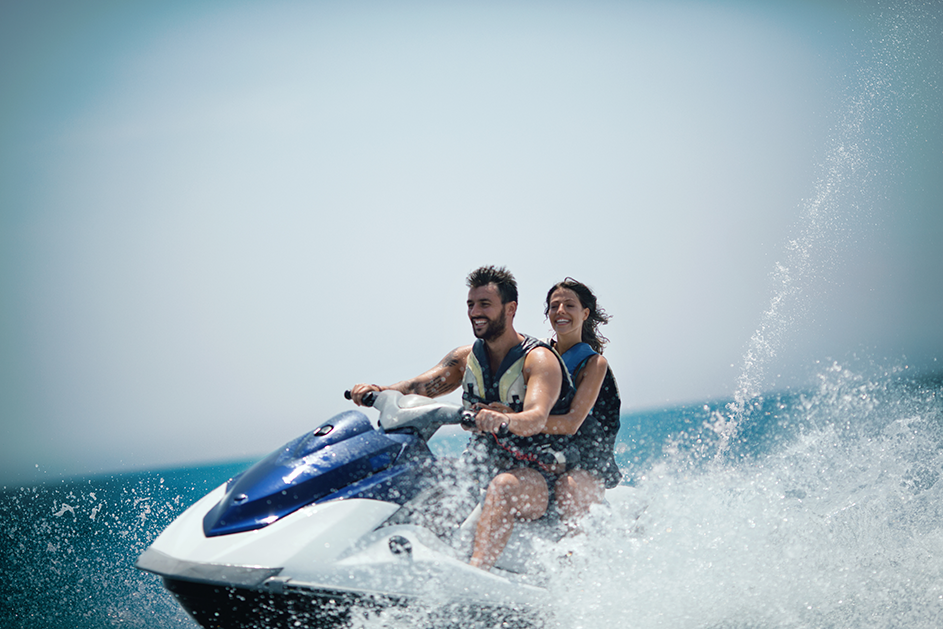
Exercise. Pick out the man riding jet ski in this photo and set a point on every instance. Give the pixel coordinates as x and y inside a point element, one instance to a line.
<point>513,383</point>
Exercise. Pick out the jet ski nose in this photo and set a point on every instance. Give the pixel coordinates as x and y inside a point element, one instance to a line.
<point>337,455</point>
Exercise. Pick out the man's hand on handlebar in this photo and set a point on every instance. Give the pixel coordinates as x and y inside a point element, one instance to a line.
<point>491,419</point>
<point>359,390</point>
<point>494,406</point>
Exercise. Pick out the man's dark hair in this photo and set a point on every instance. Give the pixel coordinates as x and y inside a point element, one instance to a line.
<point>500,277</point>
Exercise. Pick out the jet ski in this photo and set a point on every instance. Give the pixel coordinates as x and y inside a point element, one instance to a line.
<point>349,518</point>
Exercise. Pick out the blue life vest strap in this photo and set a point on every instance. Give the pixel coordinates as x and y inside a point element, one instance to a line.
<point>576,356</point>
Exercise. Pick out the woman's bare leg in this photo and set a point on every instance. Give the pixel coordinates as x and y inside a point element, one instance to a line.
<point>519,494</point>
<point>576,491</point>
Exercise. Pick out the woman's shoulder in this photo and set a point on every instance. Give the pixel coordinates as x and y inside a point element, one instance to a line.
<point>597,362</point>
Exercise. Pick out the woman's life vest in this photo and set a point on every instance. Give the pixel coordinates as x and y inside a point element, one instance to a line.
<point>596,437</point>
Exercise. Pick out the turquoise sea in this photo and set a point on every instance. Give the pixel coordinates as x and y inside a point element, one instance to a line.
<point>820,508</point>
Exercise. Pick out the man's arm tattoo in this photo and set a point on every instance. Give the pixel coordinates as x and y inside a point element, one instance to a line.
<point>437,386</point>
<point>432,387</point>
<point>451,360</point>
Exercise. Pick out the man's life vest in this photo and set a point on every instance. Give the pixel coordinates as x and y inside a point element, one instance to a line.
<point>507,387</point>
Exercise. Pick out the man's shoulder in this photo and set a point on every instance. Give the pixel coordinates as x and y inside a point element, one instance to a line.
<point>531,343</point>
<point>458,356</point>
<point>541,354</point>
<point>463,350</point>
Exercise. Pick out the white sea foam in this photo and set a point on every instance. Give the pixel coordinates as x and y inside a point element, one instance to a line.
<point>841,527</point>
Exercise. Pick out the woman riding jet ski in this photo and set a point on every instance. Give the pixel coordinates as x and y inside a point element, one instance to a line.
<point>344,517</point>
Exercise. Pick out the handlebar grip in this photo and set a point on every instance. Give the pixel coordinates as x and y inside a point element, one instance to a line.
<point>468,421</point>
<point>367,400</point>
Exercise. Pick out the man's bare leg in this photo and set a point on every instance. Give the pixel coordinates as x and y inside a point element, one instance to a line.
<point>519,494</point>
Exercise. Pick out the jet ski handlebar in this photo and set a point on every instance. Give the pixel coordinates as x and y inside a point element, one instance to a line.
<point>398,410</point>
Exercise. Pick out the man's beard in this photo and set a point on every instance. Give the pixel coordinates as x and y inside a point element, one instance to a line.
<point>494,329</point>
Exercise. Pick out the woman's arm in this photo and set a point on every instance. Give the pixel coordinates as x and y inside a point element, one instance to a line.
<point>587,390</point>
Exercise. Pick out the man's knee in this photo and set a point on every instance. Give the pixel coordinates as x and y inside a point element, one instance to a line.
<point>523,492</point>
<point>504,484</point>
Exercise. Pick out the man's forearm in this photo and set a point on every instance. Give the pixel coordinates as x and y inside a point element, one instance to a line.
<point>527,423</point>
<point>430,387</point>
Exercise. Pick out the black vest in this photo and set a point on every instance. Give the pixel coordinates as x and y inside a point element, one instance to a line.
<point>596,437</point>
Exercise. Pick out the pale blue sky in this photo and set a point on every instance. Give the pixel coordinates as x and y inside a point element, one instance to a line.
<point>215,217</point>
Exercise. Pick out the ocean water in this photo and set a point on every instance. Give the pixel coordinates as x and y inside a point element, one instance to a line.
<point>824,510</point>
<point>68,547</point>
